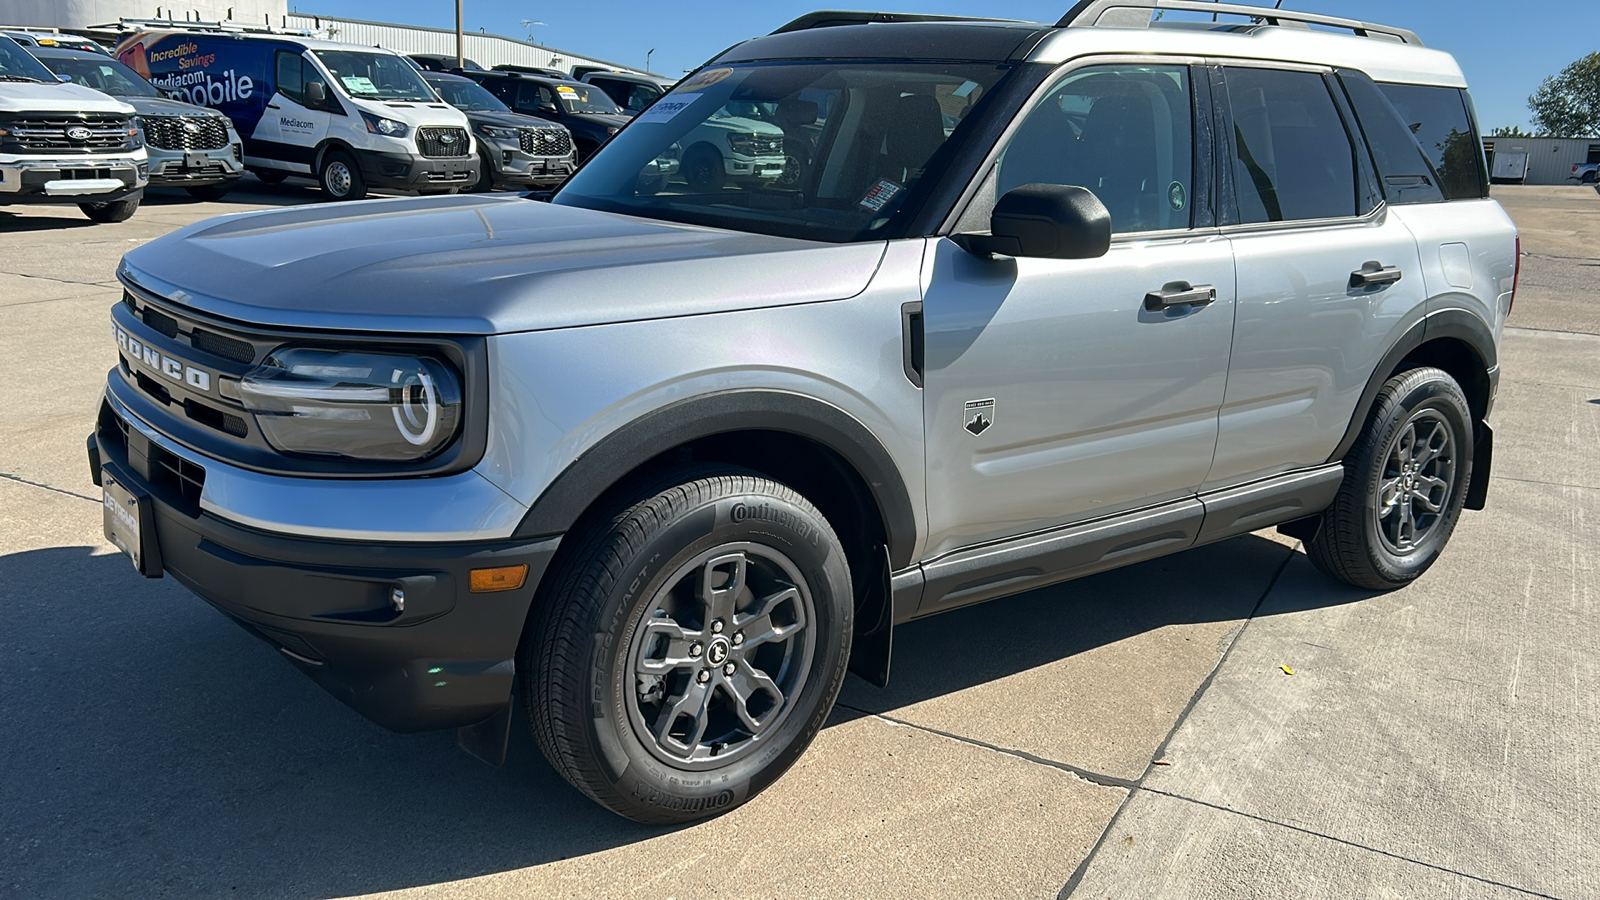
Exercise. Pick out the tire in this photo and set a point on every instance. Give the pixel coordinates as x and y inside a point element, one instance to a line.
<point>600,685</point>
<point>340,177</point>
<point>1419,433</point>
<point>795,163</point>
<point>702,169</point>
<point>485,182</point>
<point>270,176</point>
<point>650,185</point>
<point>112,210</point>
<point>1589,177</point>
<point>209,192</point>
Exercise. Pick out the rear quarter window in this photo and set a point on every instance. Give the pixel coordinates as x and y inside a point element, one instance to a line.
<point>1441,121</point>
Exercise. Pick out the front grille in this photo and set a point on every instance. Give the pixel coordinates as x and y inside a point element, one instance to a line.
<point>161,322</point>
<point>767,145</point>
<point>442,143</point>
<point>225,347</point>
<point>48,133</point>
<point>185,132</point>
<point>546,141</point>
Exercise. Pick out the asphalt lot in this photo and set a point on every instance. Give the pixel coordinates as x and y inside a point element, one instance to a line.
<point>1432,742</point>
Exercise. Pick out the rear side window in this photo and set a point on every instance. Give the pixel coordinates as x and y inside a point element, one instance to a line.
<point>1407,175</point>
<point>1292,157</point>
<point>1439,119</point>
<point>291,83</point>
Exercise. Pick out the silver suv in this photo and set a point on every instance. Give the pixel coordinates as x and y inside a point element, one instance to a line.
<point>666,464</point>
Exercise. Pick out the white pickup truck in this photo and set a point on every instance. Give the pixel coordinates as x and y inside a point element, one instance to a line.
<point>63,143</point>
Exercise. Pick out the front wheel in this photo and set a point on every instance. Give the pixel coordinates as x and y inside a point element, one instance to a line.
<point>341,177</point>
<point>112,210</point>
<point>702,169</point>
<point>1405,482</point>
<point>689,645</point>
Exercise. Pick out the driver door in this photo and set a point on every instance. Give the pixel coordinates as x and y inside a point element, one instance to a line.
<point>1054,393</point>
<point>291,128</point>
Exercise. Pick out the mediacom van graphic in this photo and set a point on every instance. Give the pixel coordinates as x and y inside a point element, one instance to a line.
<point>350,116</point>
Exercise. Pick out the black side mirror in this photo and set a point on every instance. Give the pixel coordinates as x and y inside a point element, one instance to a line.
<point>1052,221</point>
<point>316,95</point>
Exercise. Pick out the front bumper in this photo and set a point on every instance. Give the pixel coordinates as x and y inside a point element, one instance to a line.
<point>74,180</point>
<point>407,172</point>
<point>513,168</point>
<point>444,659</point>
<point>189,168</point>
<point>753,167</point>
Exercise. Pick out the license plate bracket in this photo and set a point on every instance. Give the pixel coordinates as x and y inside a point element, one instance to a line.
<point>194,161</point>
<point>128,519</point>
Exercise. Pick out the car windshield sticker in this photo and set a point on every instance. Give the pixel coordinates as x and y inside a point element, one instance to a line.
<point>666,108</point>
<point>1176,196</point>
<point>359,84</point>
<point>879,195</point>
<point>704,79</point>
<point>566,90</point>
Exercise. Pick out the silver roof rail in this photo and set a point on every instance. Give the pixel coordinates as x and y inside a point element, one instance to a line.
<point>1139,13</point>
<point>830,18</point>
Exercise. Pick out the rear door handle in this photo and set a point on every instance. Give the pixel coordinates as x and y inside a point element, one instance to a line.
<point>1372,273</point>
<point>1180,293</point>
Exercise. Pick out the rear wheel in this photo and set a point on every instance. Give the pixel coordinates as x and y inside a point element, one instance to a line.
<point>341,177</point>
<point>112,210</point>
<point>1590,176</point>
<point>1405,482</point>
<point>689,645</point>
<point>485,180</point>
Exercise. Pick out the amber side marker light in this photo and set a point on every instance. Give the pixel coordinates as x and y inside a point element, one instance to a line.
<point>505,578</point>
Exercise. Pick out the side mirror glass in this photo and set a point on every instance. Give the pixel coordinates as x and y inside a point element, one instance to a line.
<point>316,95</point>
<point>1049,221</point>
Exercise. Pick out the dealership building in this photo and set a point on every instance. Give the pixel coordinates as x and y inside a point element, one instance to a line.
<point>101,18</point>
<point>1538,160</point>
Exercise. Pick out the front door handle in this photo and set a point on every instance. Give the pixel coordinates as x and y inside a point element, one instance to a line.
<point>1372,273</point>
<point>1180,293</point>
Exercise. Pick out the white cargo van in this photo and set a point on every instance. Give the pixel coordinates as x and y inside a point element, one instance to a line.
<point>350,116</point>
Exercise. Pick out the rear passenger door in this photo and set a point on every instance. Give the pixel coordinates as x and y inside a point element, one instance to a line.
<point>1326,276</point>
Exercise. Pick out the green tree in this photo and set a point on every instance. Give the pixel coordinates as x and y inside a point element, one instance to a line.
<point>1568,104</point>
<point>1510,131</point>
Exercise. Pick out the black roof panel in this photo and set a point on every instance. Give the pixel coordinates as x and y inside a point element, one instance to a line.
<point>901,40</point>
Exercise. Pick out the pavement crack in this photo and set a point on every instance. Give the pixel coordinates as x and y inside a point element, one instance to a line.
<point>1348,843</point>
<point>1087,775</point>
<point>1548,330</point>
<point>61,280</point>
<point>1582,487</point>
<point>20,480</point>
<point>1161,750</point>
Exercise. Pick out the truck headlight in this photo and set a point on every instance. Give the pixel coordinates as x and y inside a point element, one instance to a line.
<point>498,133</point>
<point>387,127</point>
<point>375,406</point>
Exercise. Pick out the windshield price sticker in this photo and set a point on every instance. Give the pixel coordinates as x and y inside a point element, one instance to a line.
<point>879,195</point>
<point>667,108</point>
<point>566,90</point>
<point>359,84</point>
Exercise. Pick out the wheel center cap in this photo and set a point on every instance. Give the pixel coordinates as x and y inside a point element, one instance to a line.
<point>717,651</point>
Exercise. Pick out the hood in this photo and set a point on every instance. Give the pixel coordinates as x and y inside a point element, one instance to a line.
<point>481,265</point>
<point>510,120</point>
<point>605,119</point>
<point>29,96</point>
<point>739,123</point>
<point>161,106</point>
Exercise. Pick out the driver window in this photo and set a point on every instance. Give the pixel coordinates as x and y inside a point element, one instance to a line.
<point>290,82</point>
<point>1124,132</point>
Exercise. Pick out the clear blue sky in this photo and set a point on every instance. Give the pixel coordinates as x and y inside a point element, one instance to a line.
<point>1505,47</point>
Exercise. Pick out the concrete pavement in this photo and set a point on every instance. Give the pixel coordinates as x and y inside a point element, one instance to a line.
<point>1431,743</point>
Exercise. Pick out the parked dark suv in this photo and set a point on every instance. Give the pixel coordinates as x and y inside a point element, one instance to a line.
<point>586,111</point>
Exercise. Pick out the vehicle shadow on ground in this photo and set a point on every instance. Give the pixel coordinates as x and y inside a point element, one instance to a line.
<point>22,219</point>
<point>154,747</point>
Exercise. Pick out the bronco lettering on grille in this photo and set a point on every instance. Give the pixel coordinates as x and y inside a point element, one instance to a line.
<point>175,369</point>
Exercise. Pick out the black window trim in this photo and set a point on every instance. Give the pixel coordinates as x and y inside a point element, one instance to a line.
<point>1229,201</point>
<point>971,211</point>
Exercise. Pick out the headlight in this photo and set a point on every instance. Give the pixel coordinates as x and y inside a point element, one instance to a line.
<point>389,127</point>
<point>610,130</point>
<point>498,133</point>
<point>741,143</point>
<point>377,406</point>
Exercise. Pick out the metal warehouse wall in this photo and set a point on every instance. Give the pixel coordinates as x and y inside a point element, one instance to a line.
<point>87,13</point>
<point>488,50</point>
<point>1550,160</point>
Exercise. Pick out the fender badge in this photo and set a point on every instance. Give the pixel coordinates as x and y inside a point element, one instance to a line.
<point>979,415</point>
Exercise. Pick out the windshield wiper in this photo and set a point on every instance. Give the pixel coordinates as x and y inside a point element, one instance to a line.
<point>9,77</point>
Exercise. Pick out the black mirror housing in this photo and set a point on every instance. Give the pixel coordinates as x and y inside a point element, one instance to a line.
<point>316,95</point>
<point>1050,221</point>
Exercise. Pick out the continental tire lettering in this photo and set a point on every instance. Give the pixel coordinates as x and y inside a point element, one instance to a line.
<point>676,803</point>
<point>765,512</point>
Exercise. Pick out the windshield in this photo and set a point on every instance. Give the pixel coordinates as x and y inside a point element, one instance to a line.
<point>825,152</point>
<point>468,95</point>
<point>376,76</point>
<point>106,75</point>
<point>583,98</point>
<point>17,65</point>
